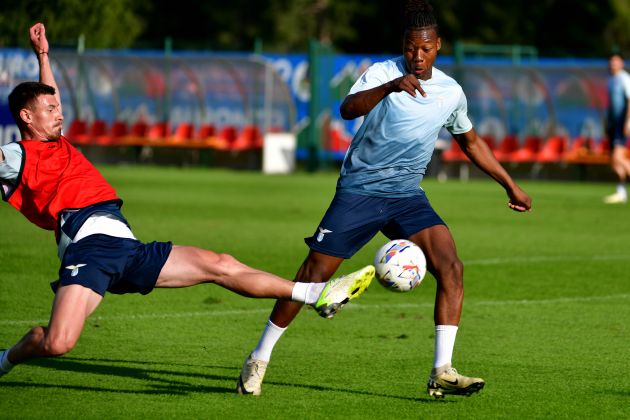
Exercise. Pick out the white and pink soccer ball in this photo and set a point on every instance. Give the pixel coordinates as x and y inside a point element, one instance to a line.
<point>400,265</point>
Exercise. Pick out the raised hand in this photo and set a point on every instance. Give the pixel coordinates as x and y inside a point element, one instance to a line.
<point>38,38</point>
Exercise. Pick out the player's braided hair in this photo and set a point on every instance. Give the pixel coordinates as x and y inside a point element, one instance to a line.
<point>419,15</point>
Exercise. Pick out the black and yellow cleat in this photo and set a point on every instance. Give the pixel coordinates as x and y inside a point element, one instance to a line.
<point>341,290</point>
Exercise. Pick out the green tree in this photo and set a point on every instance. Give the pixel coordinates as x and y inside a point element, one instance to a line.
<point>585,28</point>
<point>617,34</point>
<point>329,21</point>
<point>105,23</point>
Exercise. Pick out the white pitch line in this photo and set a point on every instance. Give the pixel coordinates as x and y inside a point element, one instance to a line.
<point>576,299</point>
<point>489,261</point>
<point>558,258</point>
<point>354,306</point>
<point>126,317</point>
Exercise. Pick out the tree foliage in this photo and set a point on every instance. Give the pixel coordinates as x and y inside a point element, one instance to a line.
<point>586,28</point>
<point>105,23</point>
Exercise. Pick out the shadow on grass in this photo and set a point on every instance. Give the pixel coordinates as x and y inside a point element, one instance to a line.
<point>168,381</point>
<point>156,389</point>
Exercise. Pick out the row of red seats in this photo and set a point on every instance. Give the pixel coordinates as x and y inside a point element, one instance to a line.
<point>160,134</point>
<point>534,149</point>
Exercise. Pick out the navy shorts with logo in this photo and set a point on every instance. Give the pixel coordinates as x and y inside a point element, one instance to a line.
<point>352,220</point>
<point>116,265</point>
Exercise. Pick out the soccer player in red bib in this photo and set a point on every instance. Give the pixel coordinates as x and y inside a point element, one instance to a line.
<point>55,187</point>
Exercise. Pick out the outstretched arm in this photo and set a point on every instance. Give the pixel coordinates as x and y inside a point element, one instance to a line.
<point>41,49</point>
<point>480,154</point>
<point>360,103</point>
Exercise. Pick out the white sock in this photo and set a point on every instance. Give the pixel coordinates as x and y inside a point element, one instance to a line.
<point>307,292</point>
<point>268,340</point>
<point>444,343</point>
<point>621,189</point>
<point>5,365</point>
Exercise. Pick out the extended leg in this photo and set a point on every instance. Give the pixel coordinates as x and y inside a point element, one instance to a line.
<point>188,266</point>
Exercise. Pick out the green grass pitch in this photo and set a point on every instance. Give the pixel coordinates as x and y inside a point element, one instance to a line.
<point>545,318</point>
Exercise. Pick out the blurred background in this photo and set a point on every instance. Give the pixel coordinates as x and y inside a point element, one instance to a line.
<point>218,83</point>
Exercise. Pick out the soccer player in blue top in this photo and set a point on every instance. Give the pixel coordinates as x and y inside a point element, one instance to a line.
<point>406,101</point>
<point>618,126</point>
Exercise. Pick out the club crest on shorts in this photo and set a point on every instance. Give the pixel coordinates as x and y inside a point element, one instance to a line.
<point>322,232</point>
<point>75,269</point>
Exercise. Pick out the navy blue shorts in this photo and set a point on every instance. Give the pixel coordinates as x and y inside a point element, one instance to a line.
<point>352,220</point>
<point>615,132</point>
<point>116,265</point>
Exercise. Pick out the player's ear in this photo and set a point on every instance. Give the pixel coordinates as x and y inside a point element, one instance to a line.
<point>25,115</point>
<point>439,43</point>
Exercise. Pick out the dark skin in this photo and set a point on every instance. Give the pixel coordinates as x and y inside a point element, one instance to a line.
<point>420,48</point>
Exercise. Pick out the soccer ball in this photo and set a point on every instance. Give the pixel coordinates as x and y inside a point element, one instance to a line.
<point>400,265</point>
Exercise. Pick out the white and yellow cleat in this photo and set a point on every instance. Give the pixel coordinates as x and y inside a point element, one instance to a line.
<point>615,198</point>
<point>445,380</point>
<point>341,290</point>
<point>251,377</point>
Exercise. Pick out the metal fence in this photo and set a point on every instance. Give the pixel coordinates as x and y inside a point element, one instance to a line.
<point>301,93</point>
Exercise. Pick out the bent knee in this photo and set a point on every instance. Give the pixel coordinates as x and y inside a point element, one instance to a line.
<point>58,346</point>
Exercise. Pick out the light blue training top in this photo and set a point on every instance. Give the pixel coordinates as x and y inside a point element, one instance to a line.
<point>619,94</point>
<point>389,155</point>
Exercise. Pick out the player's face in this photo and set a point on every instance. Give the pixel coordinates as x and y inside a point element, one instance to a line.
<point>615,64</point>
<point>420,47</point>
<point>43,117</point>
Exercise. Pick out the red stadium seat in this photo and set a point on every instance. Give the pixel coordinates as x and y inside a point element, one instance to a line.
<point>602,147</point>
<point>258,138</point>
<point>249,138</point>
<point>139,129</point>
<point>77,129</point>
<point>158,131</point>
<point>552,150</point>
<point>490,141</point>
<point>206,130</point>
<point>528,152</point>
<point>580,146</point>
<point>97,129</point>
<point>224,139</point>
<point>585,150</point>
<point>183,132</point>
<point>228,133</point>
<point>118,130</point>
<point>505,149</point>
